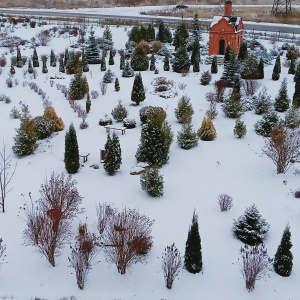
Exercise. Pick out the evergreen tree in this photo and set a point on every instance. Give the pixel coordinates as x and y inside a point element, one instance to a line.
<point>292,53</point>
<point>243,53</point>
<point>282,101</point>
<point>152,63</point>
<point>117,84</point>
<point>283,260</point>
<point>61,65</point>
<point>44,69</point>
<point>166,63</point>
<point>276,69</point>
<point>143,32</point>
<point>92,49</point>
<point>35,59</point>
<point>168,35</point>
<point>127,72</point>
<point>103,63</point>
<point>139,59</point>
<point>152,182</point>
<point>19,63</point>
<point>88,103</point>
<point>66,57</point>
<point>230,66</point>
<point>214,65</point>
<point>57,123</point>
<point>30,68</point>
<point>181,61</point>
<point>84,62</point>
<point>150,33</point>
<point>107,33</point>
<point>195,58</point>
<point>296,96</point>
<point>262,102</point>
<point>138,90</point>
<point>205,78</point>
<point>239,128</point>
<point>184,110</point>
<point>261,66</point>
<point>122,62</point>
<point>196,27</point>
<point>180,36</point>
<point>266,124</point>
<point>233,106</point>
<point>78,86</point>
<point>71,151</point>
<point>135,34</point>
<point>155,142</point>
<point>207,131</point>
<point>292,68</point>
<point>250,228</point>
<point>108,76</point>
<point>111,60</point>
<point>113,155</point>
<point>12,70</point>
<point>249,68</point>
<point>52,59</point>
<point>161,32</point>
<point>187,137</point>
<point>292,117</point>
<point>228,53</point>
<point>193,250</point>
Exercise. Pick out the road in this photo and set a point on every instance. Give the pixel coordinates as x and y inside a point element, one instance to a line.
<point>145,18</point>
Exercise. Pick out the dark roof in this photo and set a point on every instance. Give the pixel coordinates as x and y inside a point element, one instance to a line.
<point>228,2</point>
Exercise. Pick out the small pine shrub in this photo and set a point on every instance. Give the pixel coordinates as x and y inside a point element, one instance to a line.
<point>212,112</point>
<point>119,113</point>
<point>187,137</point>
<point>262,102</point>
<point>44,127</point>
<point>266,124</point>
<point>184,111</point>
<point>15,113</point>
<point>152,182</point>
<point>239,128</point>
<point>205,78</point>
<point>207,131</point>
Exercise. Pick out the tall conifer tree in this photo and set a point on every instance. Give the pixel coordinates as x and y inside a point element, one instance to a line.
<point>71,151</point>
<point>138,91</point>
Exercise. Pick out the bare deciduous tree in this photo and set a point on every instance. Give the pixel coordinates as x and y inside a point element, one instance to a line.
<point>7,171</point>
<point>225,202</point>
<point>125,236</point>
<point>85,250</point>
<point>48,223</point>
<point>256,264</point>
<point>250,86</point>
<point>283,147</point>
<point>171,264</point>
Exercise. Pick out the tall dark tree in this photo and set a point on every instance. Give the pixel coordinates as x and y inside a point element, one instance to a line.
<point>117,84</point>
<point>138,90</point>
<point>103,63</point>
<point>52,59</point>
<point>166,63</point>
<point>122,61</point>
<point>150,33</point>
<point>84,62</point>
<point>71,151</point>
<point>78,87</point>
<point>161,32</point>
<point>66,57</point>
<point>196,27</point>
<point>261,67</point>
<point>282,101</point>
<point>19,63</point>
<point>88,103</point>
<point>193,252</point>
<point>61,65</point>
<point>230,66</point>
<point>214,65</point>
<point>292,68</point>
<point>180,36</point>
<point>111,60</point>
<point>181,63</point>
<point>276,69</point>
<point>30,69</point>
<point>127,72</point>
<point>113,155</point>
<point>92,49</point>
<point>283,260</point>
<point>107,33</point>
<point>139,60</point>
<point>296,96</point>
<point>243,53</point>
<point>44,69</point>
<point>195,57</point>
<point>152,62</point>
<point>35,59</point>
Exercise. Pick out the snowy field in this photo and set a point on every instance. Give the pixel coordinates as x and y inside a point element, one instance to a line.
<point>193,179</point>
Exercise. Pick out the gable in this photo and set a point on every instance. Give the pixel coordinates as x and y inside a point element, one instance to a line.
<point>222,24</point>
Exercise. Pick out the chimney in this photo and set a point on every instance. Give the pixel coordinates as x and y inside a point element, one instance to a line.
<point>228,8</point>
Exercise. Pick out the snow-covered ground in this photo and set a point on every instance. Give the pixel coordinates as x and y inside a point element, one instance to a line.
<point>193,179</point>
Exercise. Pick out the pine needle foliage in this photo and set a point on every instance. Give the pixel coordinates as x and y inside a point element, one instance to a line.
<point>282,101</point>
<point>152,182</point>
<point>207,131</point>
<point>187,137</point>
<point>71,151</point>
<point>138,90</point>
<point>184,110</point>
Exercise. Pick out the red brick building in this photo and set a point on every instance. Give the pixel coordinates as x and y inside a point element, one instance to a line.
<point>225,30</point>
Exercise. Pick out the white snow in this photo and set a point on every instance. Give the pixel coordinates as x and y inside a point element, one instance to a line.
<point>193,179</point>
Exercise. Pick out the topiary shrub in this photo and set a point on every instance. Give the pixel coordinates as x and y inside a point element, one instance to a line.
<point>129,123</point>
<point>207,131</point>
<point>154,113</point>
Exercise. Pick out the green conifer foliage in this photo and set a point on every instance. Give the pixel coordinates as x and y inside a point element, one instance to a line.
<point>61,65</point>
<point>283,260</point>
<point>88,103</point>
<point>111,60</point>
<point>152,182</point>
<point>103,63</point>
<point>228,53</point>
<point>166,63</point>
<point>296,96</point>
<point>196,51</point>
<point>44,69</point>
<point>214,65</point>
<point>261,72</point>
<point>113,155</point>
<point>282,101</point>
<point>66,57</point>
<point>181,62</point>
<point>232,106</point>
<point>52,59</point>
<point>119,113</point>
<point>292,68</point>
<point>155,142</point>
<point>92,49</point>
<point>84,62</point>
<point>30,68</point>
<point>150,33</point>
<point>139,60</point>
<point>266,124</point>
<point>196,27</point>
<point>193,250</point>
<point>187,137</point>
<point>117,85</point>
<point>292,117</point>
<point>19,59</point>
<point>249,68</point>
<point>127,72</point>
<point>35,59</point>
<point>78,86</point>
<point>184,110</point>
<point>250,228</point>
<point>239,128</point>
<point>292,53</point>
<point>122,62</point>
<point>71,151</point>
<point>276,69</point>
<point>161,32</point>
<point>138,91</point>
<point>107,33</point>
<point>180,36</point>
<point>152,63</point>
<point>108,76</point>
<point>243,53</point>
<point>207,131</point>
<point>12,70</point>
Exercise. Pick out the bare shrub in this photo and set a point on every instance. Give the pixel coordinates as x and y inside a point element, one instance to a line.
<point>125,236</point>
<point>34,73</point>
<point>48,224</point>
<point>24,60</point>
<point>225,202</point>
<point>181,86</point>
<point>282,147</point>
<point>83,253</point>
<point>250,87</point>
<point>212,111</point>
<point>103,88</point>
<point>171,264</point>
<point>2,61</point>
<point>16,81</point>
<point>9,82</point>
<point>94,94</point>
<point>43,37</point>
<point>255,264</point>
